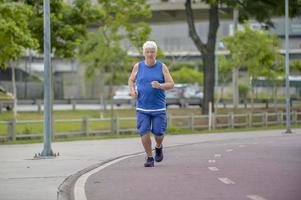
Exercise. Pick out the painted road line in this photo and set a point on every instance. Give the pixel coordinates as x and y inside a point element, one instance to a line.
<point>79,186</point>
<point>255,197</point>
<point>229,150</point>
<point>214,169</point>
<point>211,161</point>
<point>226,180</point>
<point>217,155</point>
<point>242,145</point>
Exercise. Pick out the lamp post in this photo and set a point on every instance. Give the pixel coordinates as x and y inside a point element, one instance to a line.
<point>287,84</point>
<point>47,151</point>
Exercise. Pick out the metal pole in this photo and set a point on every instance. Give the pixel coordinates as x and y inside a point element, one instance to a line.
<point>47,151</point>
<point>287,86</point>
<point>235,69</point>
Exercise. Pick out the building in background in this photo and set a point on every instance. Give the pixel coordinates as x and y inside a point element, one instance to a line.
<point>170,31</point>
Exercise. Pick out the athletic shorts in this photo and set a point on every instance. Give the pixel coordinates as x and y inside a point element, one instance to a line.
<point>155,122</point>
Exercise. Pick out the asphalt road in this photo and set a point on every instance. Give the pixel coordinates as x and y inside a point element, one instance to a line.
<point>266,168</point>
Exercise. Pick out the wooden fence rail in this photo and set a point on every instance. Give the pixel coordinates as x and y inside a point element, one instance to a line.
<point>15,129</point>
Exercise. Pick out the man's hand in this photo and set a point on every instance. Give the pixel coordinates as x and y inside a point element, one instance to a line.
<point>133,93</point>
<point>156,84</point>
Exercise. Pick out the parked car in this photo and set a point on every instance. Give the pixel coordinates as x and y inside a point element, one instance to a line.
<point>175,95</point>
<point>122,95</point>
<point>193,95</point>
<point>193,91</point>
<point>184,95</point>
<point>6,99</point>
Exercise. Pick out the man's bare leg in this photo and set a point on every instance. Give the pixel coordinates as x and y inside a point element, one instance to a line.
<point>147,144</point>
<point>159,140</point>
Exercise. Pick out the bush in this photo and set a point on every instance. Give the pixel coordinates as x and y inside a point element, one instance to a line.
<point>243,90</point>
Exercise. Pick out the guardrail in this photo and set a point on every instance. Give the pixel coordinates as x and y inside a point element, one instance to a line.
<point>15,129</point>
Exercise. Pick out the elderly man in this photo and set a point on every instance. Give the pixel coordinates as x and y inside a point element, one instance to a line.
<point>147,82</point>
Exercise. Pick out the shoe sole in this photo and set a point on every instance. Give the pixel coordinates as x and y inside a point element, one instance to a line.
<point>149,165</point>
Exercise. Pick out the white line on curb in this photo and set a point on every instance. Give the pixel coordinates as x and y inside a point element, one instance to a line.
<point>213,169</point>
<point>226,180</point>
<point>79,186</point>
<point>255,197</point>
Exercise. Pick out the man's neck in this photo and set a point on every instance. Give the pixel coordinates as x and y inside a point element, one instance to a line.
<point>150,62</point>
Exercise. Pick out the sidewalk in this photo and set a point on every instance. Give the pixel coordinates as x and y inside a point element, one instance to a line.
<point>25,178</point>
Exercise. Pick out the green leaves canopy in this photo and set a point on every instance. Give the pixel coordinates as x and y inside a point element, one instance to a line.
<point>256,50</point>
<point>103,49</point>
<point>187,75</point>
<point>15,34</point>
<point>68,24</point>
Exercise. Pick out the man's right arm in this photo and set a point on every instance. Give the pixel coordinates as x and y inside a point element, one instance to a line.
<point>132,81</point>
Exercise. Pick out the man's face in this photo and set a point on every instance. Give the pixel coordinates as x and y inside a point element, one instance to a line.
<point>150,54</point>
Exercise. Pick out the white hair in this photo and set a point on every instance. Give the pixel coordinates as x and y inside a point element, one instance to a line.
<point>149,45</point>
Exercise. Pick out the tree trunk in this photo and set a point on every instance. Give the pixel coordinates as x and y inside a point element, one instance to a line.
<point>12,64</point>
<point>235,92</point>
<point>207,50</point>
<point>209,81</point>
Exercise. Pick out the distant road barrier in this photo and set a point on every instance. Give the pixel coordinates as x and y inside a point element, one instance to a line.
<point>12,130</point>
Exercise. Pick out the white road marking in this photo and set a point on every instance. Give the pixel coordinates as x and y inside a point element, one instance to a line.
<point>229,150</point>
<point>79,186</point>
<point>242,145</point>
<point>226,180</point>
<point>217,155</point>
<point>213,169</point>
<point>255,197</point>
<point>211,161</point>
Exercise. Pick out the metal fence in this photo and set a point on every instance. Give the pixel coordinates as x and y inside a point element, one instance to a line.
<point>15,129</point>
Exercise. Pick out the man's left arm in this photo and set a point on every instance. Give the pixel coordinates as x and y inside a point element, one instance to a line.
<point>169,83</point>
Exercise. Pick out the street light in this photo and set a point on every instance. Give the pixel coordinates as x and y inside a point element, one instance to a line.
<point>287,86</point>
<point>47,151</point>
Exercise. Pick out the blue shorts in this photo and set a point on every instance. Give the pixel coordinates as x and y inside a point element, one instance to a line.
<point>155,122</point>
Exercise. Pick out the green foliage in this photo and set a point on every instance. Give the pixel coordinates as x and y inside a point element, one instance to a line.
<point>263,10</point>
<point>15,34</point>
<point>102,50</point>
<point>224,69</point>
<point>179,65</point>
<point>256,50</point>
<point>295,65</point>
<point>68,24</point>
<point>243,90</point>
<point>187,75</point>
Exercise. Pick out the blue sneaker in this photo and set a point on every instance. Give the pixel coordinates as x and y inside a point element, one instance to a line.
<point>149,162</point>
<point>159,154</point>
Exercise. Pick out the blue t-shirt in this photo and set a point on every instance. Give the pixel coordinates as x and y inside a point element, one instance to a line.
<point>150,99</point>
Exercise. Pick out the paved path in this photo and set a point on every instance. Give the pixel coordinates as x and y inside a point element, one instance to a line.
<point>257,169</point>
<point>25,178</point>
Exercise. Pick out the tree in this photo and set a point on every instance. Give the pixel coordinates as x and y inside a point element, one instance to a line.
<point>257,51</point>
<point>224,69</point>
<point>187,75</point>
<point>261,10</point>
<point>15,34</point>
<point>15,37</point>
<point>103,50</point>
<point>68,24</point>
<point>295,65</point>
